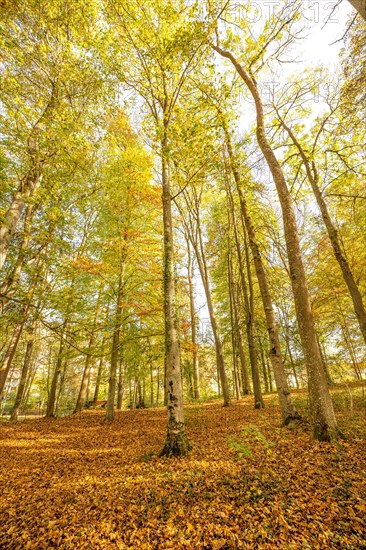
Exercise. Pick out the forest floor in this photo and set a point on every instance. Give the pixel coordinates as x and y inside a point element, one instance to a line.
<point>247,483</point>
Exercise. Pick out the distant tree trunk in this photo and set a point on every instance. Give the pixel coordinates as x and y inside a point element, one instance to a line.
<point>239,338</point>
<point>195,236</point>
<point>288,410</point>
<point>324,421</point>
<point>157,387</point>
<point>99,376</point>
<point>115,346</point>
<point>151,385</point>
<point>249,316</point>
<point>249,306</point>
<point>233,323</point>
<point>264,366</point>
<point>51,403</point>
<point>313,178</point>
<point>176,440</point>
<point>80,402</point>
<point>120,388</point>
<point>196,386</point>
<point>24,374</point>
<point>61,387</point>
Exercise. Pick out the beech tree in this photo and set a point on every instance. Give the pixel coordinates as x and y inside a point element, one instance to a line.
<point>325,427</point>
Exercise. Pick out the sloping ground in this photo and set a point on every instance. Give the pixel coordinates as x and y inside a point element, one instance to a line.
<point>77,483</point>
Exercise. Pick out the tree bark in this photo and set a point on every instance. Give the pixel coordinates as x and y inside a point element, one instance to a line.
<point>176,440</point>
<point>115,347</point>
<point>324,421</point>
<point>51,403</point>
<point>9,284</point>
<point>29,182</point>
<point>199,249</point>
<point>288,410</point>
<point>120,387</point>
<point>24,375</point>
<point>196,386</point>
<point>80,402</point>
<point>313,178</point>
<point>249,314</point>
<point>232,322</point>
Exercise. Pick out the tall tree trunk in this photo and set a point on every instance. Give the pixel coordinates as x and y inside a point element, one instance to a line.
<point>23,314</point>
<point>120,387</point>
<point>80,402</point>
<point>10,282</point>
<point>151,385</point>
<point>51,403</point>
<point>199,249</point>
<point>24,374</point>
<point>239,337</point>
<point>115,347</point>
<point>176,440</point>
<point>28,183</point>
<point>196,385</point>
<point>313,177</point>
<point>249,306</point>
<point>264,366</point>
<point>324,421</point>
<point>61,387</point>
<point>288,410</point>
<point>249,316</point>
<point>99,376</point>
<point>232,322</point>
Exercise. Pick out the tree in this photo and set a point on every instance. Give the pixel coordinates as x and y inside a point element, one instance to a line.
<point>324,422</point>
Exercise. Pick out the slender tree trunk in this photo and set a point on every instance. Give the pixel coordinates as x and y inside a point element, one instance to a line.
<point>197,243</point>
<point>61,387</point>
<point>9,355</point>
<point>80,402</point>
<point>24,375</point>
<point>232,322</point>
<point>176,440</point>
<point>249,314</point>
<point>115,347</point>
<point>99,376</point>
<point>324,421</point>
<point>23,314</point>
<point>196,386</point>
<point>249,306</point>
<point>269,374</point>
<point>120,388</point>
<point>158,387</point>
<point>9,285</point>
<point>151,385</point>
<point>288,410</point>
<point>264,367</point>
<point>313,177</point>
<point>29,182</point>
<point>51,403</point>
<point>239,337</point>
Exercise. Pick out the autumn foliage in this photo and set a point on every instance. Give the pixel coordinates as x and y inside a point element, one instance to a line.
<point>247,483</point>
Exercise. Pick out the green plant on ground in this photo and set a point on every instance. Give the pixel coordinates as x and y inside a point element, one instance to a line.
<point>242,445</point>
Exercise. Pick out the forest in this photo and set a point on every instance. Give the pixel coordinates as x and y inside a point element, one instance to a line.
<point>183,274</point>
